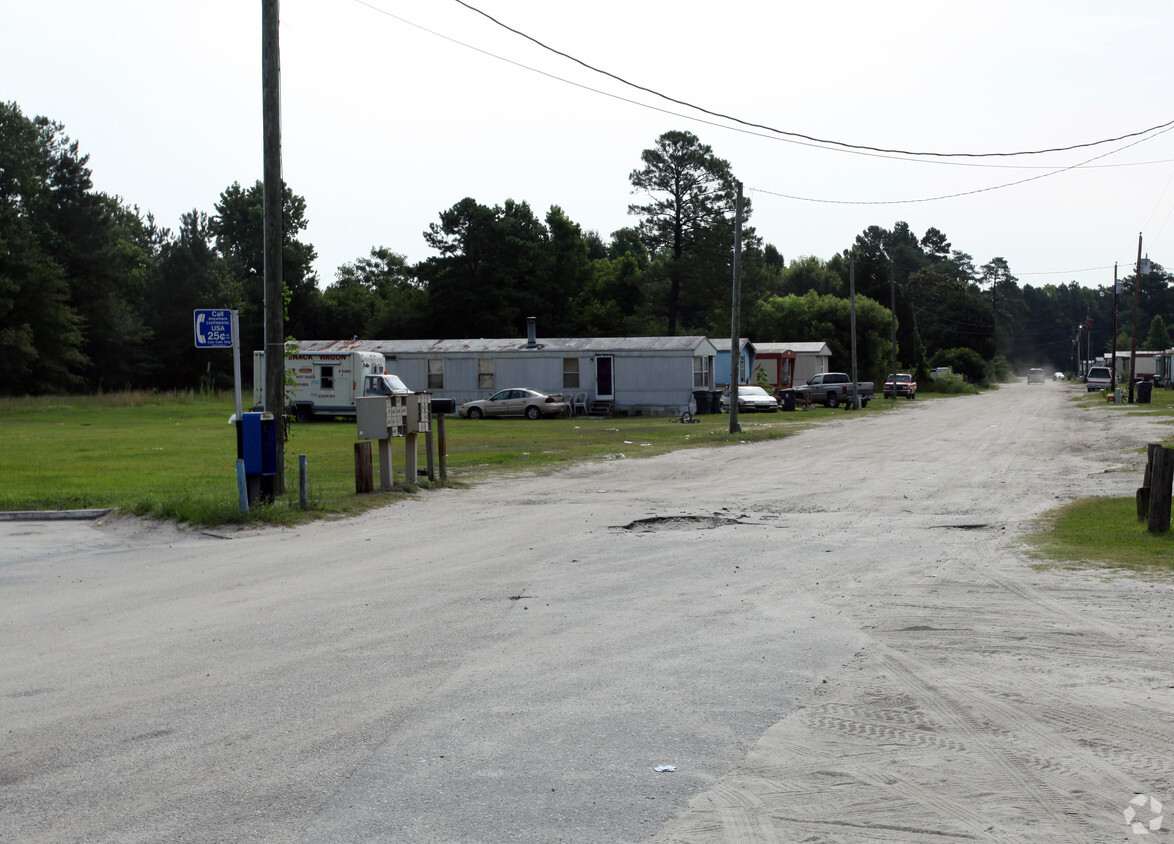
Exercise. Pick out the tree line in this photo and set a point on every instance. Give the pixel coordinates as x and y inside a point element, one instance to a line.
<point>96,295</point>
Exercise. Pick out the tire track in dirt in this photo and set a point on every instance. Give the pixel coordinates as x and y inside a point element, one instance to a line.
<point>990,701</point>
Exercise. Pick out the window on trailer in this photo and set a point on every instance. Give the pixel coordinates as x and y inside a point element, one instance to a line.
<point>435,373</point>
<point>485,380</point>
<point>700,372</point>
<point>570,373</point>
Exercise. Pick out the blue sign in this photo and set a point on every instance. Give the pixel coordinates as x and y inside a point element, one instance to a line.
<point>213,329</point>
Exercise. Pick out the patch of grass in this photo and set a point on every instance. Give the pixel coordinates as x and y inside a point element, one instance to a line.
<point>1102,532</point>
<point>173,455</point>
<point>1161,402</point>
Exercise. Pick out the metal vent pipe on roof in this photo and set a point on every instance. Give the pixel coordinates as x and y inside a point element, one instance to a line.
<point>531,332</point>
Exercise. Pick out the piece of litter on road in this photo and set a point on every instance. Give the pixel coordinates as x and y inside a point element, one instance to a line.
<point>665,769</point>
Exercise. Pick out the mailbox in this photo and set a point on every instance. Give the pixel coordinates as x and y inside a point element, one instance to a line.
<point>381,417</point>
<point>419,413</point>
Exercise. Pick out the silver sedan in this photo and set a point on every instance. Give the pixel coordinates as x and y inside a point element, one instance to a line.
<point>516,401</point>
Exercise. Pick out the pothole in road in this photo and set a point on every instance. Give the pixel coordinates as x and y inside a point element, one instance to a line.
<point>980,526</point>
<point>658,523</point>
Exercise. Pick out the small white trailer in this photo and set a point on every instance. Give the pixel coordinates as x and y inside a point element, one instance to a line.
<point>320,384</point>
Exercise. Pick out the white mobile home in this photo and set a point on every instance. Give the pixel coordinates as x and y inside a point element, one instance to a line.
<point>629,375</point>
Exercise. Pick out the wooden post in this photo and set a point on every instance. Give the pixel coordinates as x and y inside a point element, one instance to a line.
<point>1143,492</point>
<point>1161,481</point>
<point>736,315</point>
<point>272,204</point>
<point>364,479</point>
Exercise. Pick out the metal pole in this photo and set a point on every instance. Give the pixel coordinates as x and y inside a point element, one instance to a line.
<point>735,314</point>
<point>1136,301</point>
<point>272,205</point>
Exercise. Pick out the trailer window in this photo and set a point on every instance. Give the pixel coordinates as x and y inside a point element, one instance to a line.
<point>485,379</point>
<point>435,373</point>
<point>701,372</point>
<point>326,377</point>
<point>570,373</point>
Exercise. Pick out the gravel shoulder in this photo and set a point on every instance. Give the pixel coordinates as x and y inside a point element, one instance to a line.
<point>833,637</point>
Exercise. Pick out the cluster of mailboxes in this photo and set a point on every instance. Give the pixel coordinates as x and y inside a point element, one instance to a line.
<point>383,417</point>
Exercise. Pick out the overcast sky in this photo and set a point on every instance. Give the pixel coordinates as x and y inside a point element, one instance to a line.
<point>394,110</point>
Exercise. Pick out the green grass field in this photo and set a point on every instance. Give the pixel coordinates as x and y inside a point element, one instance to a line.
<point>173,456</point>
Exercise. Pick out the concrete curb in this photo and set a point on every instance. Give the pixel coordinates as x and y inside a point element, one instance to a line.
<point>52,515</point>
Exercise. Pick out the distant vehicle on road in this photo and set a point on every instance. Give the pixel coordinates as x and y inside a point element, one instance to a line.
<point>516,401</point>
<point>1035,376</point>
<point>1058,376</point>
<point>905,386</point>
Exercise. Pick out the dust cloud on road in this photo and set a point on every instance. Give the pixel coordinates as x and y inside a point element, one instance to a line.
<point>836,637</point>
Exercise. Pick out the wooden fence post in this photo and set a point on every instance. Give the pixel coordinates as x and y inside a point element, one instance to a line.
<point>1143,492</point>
<point>1161,483</point>
<point>364,478</point>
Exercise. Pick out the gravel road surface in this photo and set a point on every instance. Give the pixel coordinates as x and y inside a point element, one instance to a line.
<point>835,637</point>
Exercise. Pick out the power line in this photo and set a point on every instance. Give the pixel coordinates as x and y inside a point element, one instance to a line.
<point>739,129</point>
<point>960,193</point>
<point>813,139</point>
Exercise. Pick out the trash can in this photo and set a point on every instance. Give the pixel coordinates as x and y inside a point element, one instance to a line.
<point>1144,391</point>
<point>702,399</point>
<point>715,400</point>
<point>787,399</point>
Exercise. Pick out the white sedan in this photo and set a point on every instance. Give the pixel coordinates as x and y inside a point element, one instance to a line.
<point>751,398</point>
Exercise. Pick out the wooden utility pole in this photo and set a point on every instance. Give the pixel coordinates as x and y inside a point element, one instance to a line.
<point>893,319</point>
<point>1136,302</point>
<point>1113,370</point>
<point>735,315</point>
<point>272,205</point>
<point>852,298</point>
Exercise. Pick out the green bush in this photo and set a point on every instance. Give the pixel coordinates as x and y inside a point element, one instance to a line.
<point>965,362</point>
<point>953,385</point>
<point>998,371</point>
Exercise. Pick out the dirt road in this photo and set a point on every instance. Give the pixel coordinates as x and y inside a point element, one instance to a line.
<point>833,638</point>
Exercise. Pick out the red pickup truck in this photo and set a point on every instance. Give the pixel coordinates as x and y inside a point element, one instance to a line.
<point>905,386</point>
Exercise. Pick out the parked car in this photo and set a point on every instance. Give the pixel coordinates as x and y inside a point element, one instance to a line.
<point>906,386</point>
<point>1098,378</point>
<point>516,401</point>
<point>1035,376</point>
<point>1058,376</point>
<point>750,398</point>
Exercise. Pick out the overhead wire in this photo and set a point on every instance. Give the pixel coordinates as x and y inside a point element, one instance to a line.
<point>825,141</point>
<point>961,193</point>
<point>747,127</point>
<point>778,135</point>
